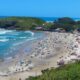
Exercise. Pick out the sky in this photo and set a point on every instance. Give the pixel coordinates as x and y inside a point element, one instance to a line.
<point>40,8</point>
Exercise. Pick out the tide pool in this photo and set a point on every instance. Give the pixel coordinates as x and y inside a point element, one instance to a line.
<point>10,39</point>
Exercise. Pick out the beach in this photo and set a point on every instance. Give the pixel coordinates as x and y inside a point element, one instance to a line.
<point>44,53</point>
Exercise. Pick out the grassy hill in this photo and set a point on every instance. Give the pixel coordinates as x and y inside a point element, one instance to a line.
<point>20,23</point>
<point>67,72</point>
<point>30,23</point>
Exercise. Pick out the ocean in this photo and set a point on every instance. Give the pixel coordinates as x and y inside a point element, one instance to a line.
<point>55,18</point>
<point>47,18</point>
<point>11,39</point>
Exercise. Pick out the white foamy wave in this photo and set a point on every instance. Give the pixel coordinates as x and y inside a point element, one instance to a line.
<point>4,40</point>
<point>31,39</point>
<point>19,43</point>
<point>5,31</point>
<point>32,33</point>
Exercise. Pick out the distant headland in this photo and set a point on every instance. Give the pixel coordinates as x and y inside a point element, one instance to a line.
<point>41,23</point>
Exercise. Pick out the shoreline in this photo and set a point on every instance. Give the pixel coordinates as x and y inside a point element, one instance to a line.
<point>23,48</point>
<point>45,54</point>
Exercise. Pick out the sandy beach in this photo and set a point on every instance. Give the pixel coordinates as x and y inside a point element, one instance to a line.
<point>44,53</point>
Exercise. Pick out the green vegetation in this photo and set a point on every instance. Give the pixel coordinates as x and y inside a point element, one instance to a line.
<point>20,23</point>
<point>65,23</point>
<point>66,72</point>
<point>31,23</point>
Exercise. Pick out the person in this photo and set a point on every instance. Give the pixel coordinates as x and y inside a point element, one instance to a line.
<point>60,62</point>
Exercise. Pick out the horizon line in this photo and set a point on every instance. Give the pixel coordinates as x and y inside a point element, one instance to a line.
<point>40,16</point>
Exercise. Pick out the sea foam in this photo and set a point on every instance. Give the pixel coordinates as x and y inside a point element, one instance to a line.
<point>10,41</point>
<point>4,40</point>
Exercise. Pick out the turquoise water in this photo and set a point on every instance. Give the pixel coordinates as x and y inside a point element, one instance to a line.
<point>10,39</point>
<point>55,18</point>
<point>47,18</point>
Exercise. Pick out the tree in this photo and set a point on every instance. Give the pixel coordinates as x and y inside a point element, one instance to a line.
<point>65,23</point>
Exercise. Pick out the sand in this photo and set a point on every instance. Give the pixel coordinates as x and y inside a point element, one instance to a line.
<point>44,54</point>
